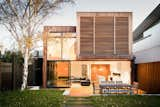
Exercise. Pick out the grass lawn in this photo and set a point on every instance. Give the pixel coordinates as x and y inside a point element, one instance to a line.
<point>40,98</point>
<point>126,101</point>
<point>53,98</point>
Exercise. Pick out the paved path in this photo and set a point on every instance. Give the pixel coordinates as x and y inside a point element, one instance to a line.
<point>77,102</point>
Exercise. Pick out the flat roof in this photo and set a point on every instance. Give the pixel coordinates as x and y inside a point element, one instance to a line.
<point>60,29</point>
<point>148,22</point>
<point>87,13</point>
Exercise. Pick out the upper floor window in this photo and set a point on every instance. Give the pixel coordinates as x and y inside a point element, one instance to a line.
<point>61,46</point>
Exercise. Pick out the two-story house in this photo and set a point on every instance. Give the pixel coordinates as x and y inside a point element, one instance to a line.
<point>99,47</point>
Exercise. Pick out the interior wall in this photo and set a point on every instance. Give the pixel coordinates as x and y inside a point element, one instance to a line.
<point>116,67</point>
<point>76,69</point>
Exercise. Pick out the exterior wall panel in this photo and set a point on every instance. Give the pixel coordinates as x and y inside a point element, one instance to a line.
<point>86,38</point>
<point>149,77</point>
<point>104,34</point>
<point>148,49</point>
<point>121,35</point>
<point>104,41</point>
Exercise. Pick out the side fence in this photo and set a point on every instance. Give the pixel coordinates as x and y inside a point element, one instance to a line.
<point>17,75</point>
<point>11,74</point>
<point>149,77</point>
<point>6,76</point>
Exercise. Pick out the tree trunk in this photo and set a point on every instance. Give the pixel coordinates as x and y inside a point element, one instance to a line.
<point>25,69</point>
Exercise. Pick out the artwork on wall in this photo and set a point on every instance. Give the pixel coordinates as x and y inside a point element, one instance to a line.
<point>84,71</point>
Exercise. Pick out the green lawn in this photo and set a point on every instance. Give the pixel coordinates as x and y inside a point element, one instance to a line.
<point>126,101</point>
<point>53,98</point>
<point>40,98</point>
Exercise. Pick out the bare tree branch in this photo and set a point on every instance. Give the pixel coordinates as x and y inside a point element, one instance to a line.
<point>22,19</point>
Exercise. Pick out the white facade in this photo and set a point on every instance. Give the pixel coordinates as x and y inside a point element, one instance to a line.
<point>148,49</point>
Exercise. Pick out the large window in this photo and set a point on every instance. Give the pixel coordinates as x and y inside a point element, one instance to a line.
<point>61,46</point>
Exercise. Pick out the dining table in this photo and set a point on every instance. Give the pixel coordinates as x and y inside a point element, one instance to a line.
<point>115,87</point>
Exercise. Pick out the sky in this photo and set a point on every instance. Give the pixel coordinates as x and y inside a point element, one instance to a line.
<point>67,15</point>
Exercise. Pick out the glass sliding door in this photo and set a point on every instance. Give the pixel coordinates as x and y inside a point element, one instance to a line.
<point>58,74</point>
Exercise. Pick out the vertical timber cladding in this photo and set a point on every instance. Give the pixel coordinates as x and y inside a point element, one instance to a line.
<point>86,38</point>
<point>105,33</point>
<point>149,77</point>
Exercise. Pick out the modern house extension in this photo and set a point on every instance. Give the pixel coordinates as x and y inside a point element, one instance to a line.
<point>146,49</point>
<point>99,47</point>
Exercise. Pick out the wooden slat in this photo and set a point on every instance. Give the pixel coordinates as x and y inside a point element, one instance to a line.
<point>60,29</point>
<point>121,31</point>
<point>86,38</point>
<point>104,29</point>
<point>97,32</point>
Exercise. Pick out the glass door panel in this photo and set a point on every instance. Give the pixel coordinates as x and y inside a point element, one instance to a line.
<point>58,74</point>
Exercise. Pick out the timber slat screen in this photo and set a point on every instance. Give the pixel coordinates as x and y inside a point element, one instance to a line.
<point>121,35</point>
<point>149,77</point>
<point>86,39</point>
<point>107,34</point>
<point>104,33</point>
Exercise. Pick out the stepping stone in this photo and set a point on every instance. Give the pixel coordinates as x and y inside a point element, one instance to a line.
<point>78,106</point>
<point>78,102</point>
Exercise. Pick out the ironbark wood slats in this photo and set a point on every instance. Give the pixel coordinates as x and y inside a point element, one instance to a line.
<point>86,39</point>
<point>121,35</point>
<point>104,34</point>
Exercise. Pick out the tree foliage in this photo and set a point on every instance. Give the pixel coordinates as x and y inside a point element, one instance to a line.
<point>8,56</point>
<point>22,19</point>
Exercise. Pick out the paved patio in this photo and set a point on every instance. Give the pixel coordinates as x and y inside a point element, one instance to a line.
<point>77,90</point>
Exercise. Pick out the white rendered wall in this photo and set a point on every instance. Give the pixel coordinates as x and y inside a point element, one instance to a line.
<point>148,49</point>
